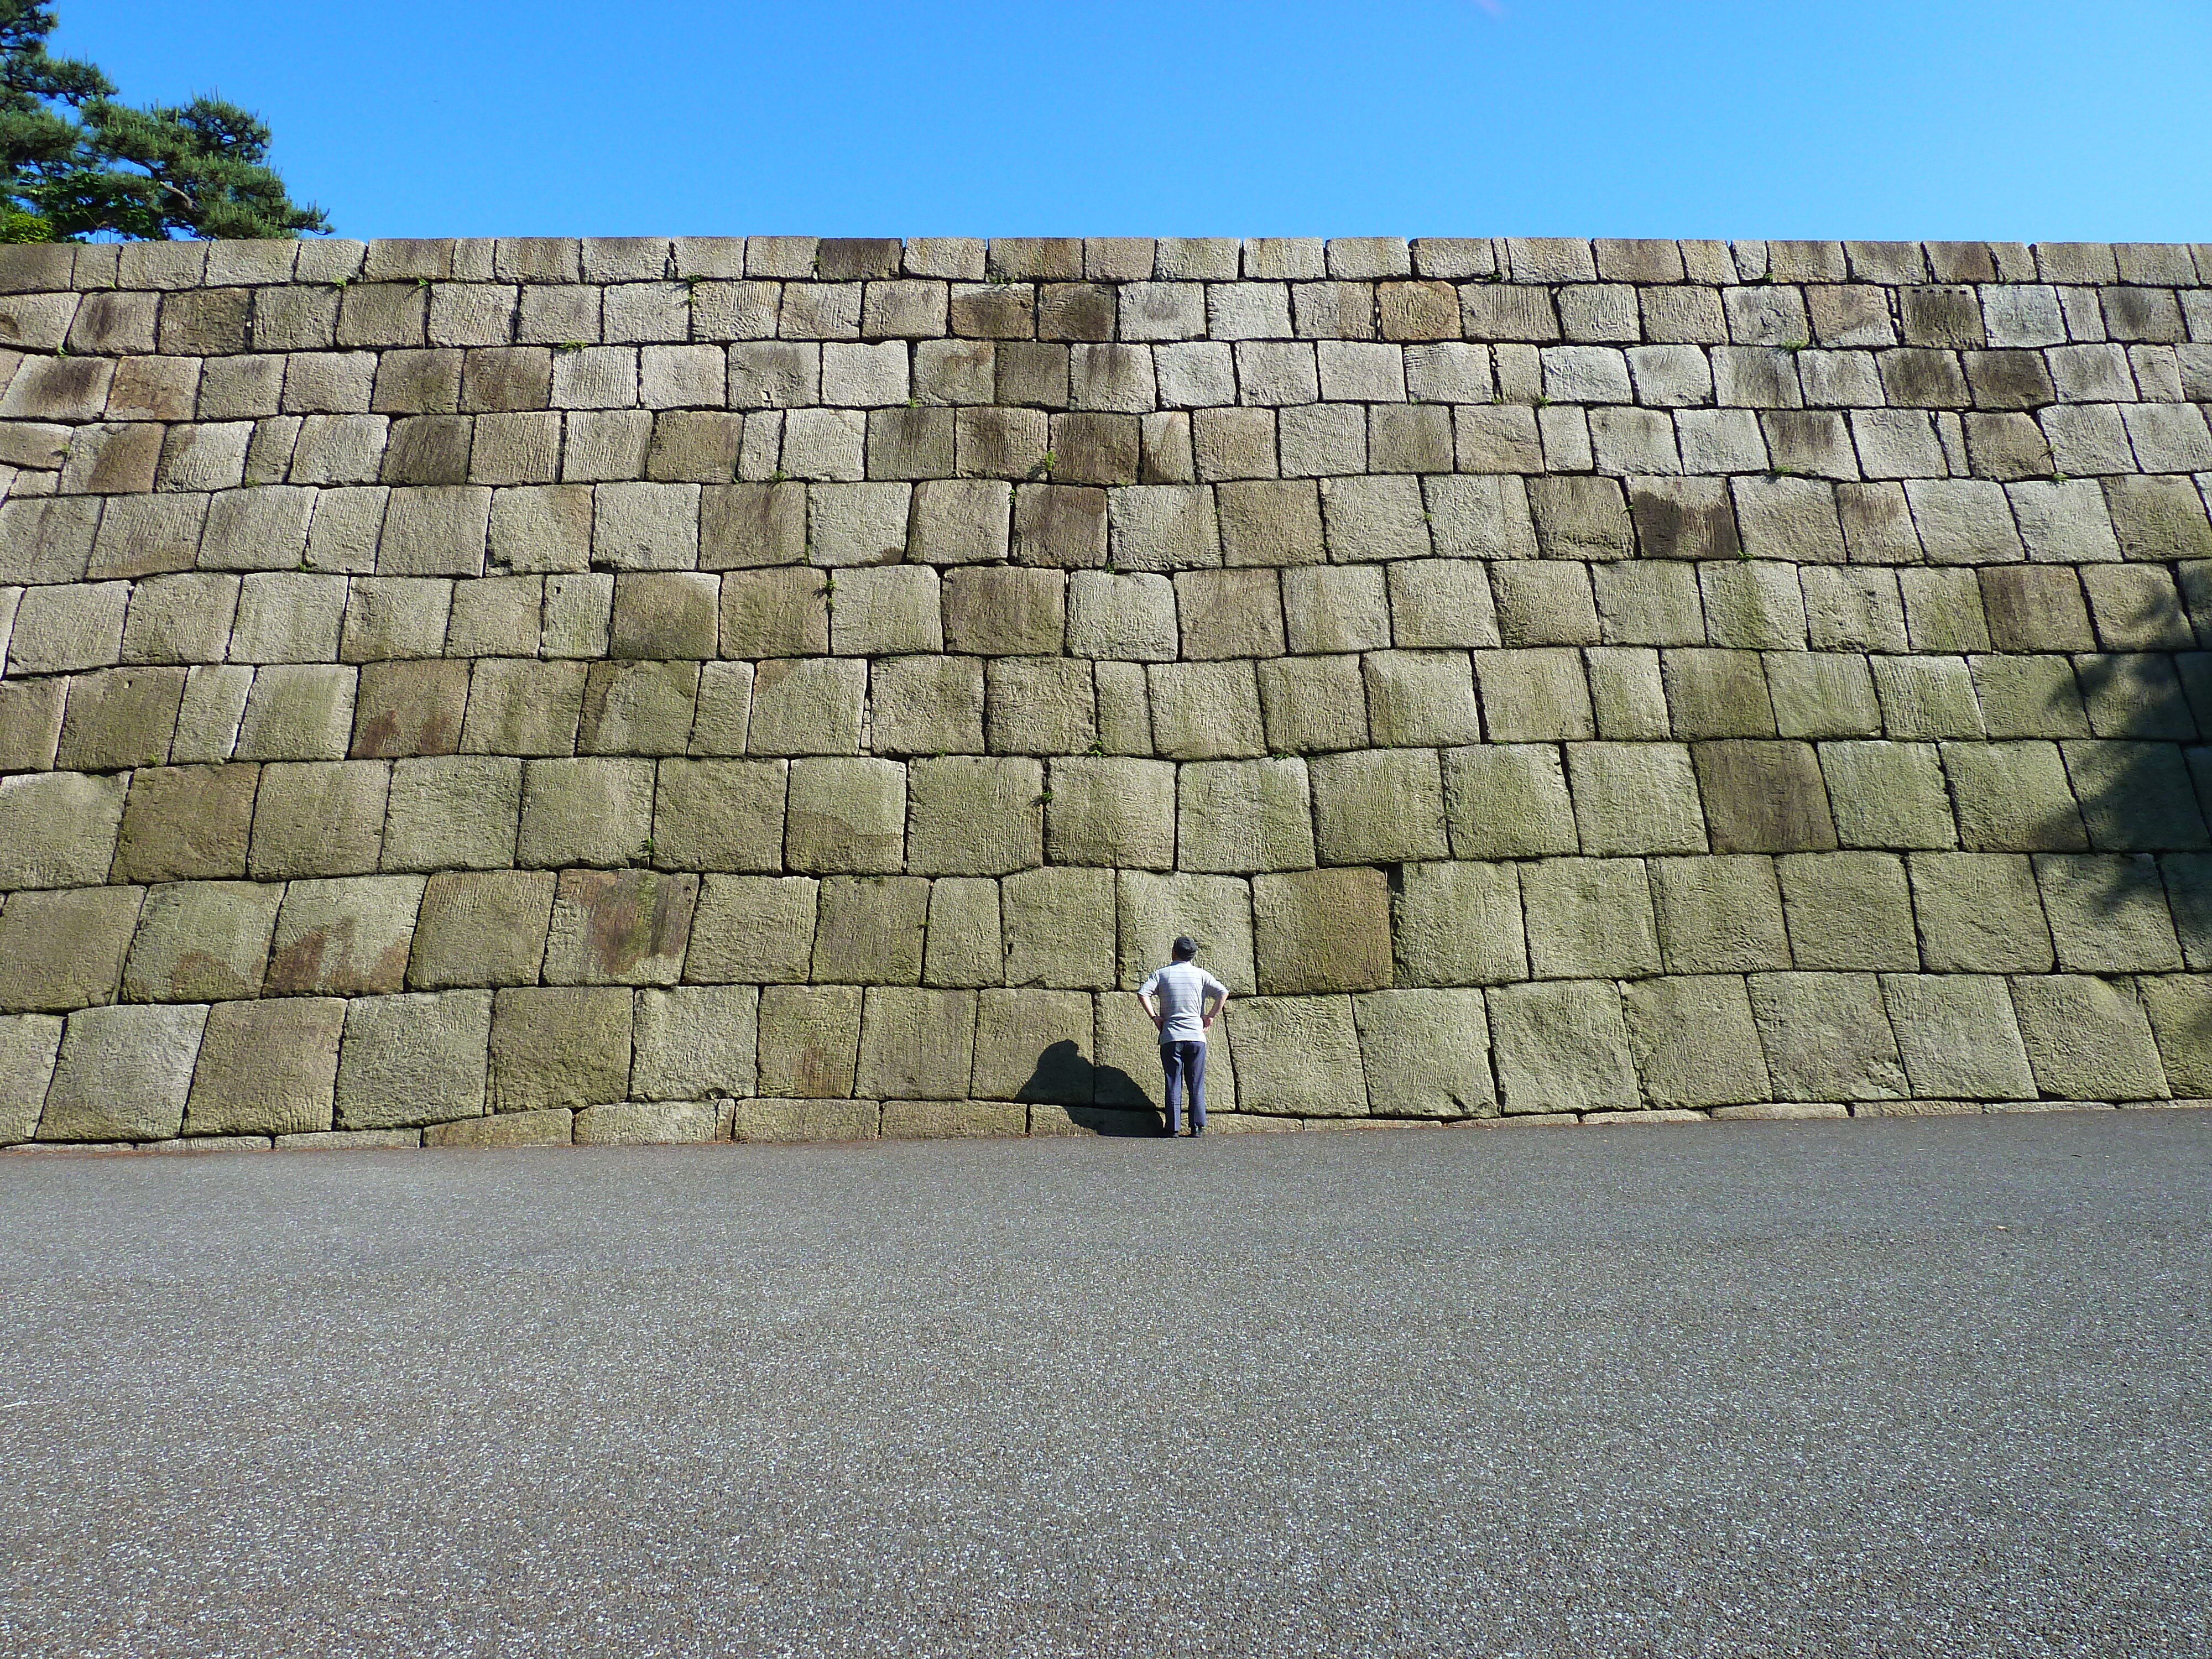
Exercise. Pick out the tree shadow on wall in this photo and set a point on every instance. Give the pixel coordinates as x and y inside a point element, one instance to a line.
<point>1105,1100</point>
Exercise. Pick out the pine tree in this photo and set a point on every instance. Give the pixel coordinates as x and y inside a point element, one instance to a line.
<point>79,164</point>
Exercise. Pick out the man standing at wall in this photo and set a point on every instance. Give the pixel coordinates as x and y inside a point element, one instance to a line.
<point>1177,997</point>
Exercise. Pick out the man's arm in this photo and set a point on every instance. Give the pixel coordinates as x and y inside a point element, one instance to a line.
<point>1217,998</point>
<point>1148,1003</point>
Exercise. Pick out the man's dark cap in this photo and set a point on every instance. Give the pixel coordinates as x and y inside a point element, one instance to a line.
<point>1185,946</point>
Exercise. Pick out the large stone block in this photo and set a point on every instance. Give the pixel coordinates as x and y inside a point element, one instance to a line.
<point>1695,1043</point>
<point>1426,1053</point>
<point>807,706</point>
<point>916,1044</point>
<point>185,822</point>
<point>2013,797</point>
<point>1827,1036</point>
<point>124,1074</point>
<point>298,711</point>
<point>1764,797</point>
<point>479,928</point>
<point>1535,696</point>
<point>350,937</point>
<point>266,1068</point>
<point>1323,930</point>
<point>809,1037</point>
<point>60,950</point>
<point>973,816</point>
<point>1562,1047</point>
<point>29,1044</point>
<point>665,614</point>
<point>1060,928</point>
<point>1979,912</point>
<point>1635,798</point>
<point>1508,800</point>
<point>1206,711</point>
<point>1441,604</point>
<point>522,708</point>
<point>1040,706</point>
<point>58,829</point>
<point>1957,1037</point>
<point>2135,796</point>
<point>1887,795</point>
<point>559,1048</point>
<point>719,815</point>
<point>1299,1056</point>
<point>695,1043</point>
<point>1242,816</point>
<point>122,718</point>
<point>318,818</point>
<point>1383,807</point>
<point>650,1123</point>
<point>2087,1039</point>
<point>752,929</point>
<point>201,942</point>
<point>1719,915</point>
<point>869,930</point>
<point>1155,910</point>
<point>966,945</point>
<point>1313,703</point>
<point>2180,1011</point>
<point>403,708</point>
<point>1111,812</point>
<point>639,707</point>
<point>1459,924</point>
<point>413,1059</point>
<point>1849,910</point>
<point>1339,607</point>
<point>1035,1046</point>
<point>584,811</point>
<point>30,716</point>
<point>1421,698</point>
<point>2108,914</point>
<point>453,813</point>
<point>779,612</point>
<point>1590,917</point>
<point>619,927</point>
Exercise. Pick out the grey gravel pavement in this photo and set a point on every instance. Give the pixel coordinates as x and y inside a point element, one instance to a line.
<point>1891,1388</point>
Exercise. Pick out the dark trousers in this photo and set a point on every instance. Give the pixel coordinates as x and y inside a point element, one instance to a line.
<point>1184,1062</point>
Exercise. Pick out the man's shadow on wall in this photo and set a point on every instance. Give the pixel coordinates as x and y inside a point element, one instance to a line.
<point>1104,1100</point>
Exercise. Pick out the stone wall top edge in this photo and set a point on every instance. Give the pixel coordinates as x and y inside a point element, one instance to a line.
<point>1533,260</point>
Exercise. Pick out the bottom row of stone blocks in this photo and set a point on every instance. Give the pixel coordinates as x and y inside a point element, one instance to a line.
<point>489,1064</point>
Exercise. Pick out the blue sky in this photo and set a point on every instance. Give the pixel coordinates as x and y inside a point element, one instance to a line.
<point>2023,120</point>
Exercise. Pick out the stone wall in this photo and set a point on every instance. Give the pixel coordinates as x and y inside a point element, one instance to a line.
<point>484,692</point>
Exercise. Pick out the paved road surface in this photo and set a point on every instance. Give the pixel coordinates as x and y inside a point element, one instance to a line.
<point>1931,1388</point>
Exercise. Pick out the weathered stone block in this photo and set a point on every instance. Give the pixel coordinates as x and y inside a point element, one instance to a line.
<point>201,942</point>
<point>846,815</point>
<point>966,945</point>
<point>298,711</point>
<point>809,1039</point>
<point>1339,608</point>
<point>925,706</point>
<point>124,1074</point>
<point>1695,1042</point>
<point>1040,706</point>
<point>1979,912</point>
<point>638,708</point>
<point>554,1048</point>
<point>60,950</point>
<point>58,829</point>
<point>29,1044</point>
<point>1376,807</point>
<point>916,1044</point>
<point>1459,924</point>
<point>619,927</point>
<point>1590,916</point>
<point>2013,798</point>
<point>1111,812</point>
<point>1438,603</point>
<point>1562,1047</point>
<point>1957,1037</point>
<point>413,1059</point>
<point>1764,797</point>
<point>1060,928</point>
<point>1062,526</point>
<point>461,812</point>
<point>2107,915</point>
<point>183,823</point>
<point>869,930</point>
<point>318,818</point>
<point>745,525</point>
<point>1887,795</point>
<point>344,937</point>
<point>1635,798</point>
<point>584,811</point>
<point>975,816</point>
<point>1299,1056</point>
<point>1313,703</point>
<point>1507,801</point>
<point>1827,1036</point>
<point>1426,1053</point>
<point>650,1123</point>
<point>1035,1046</point>
<point>1242,816</point>
<point>1849,910</point>
<point>1535,696</point>
<point>481,929</point>
<point>803,705</point>
<point>2180,1013</point>
<point>719,815</point>
<point>756,928</point>
<point>2087,1039</point>
<point>2135,796</point>
<point>1719,915</point>
<point>1269,522</point>
<point>553,1127</point>
<point>1323,930</point>
<point>725,709</point>
<point>1122,617</point>
<point>30,724</point>
<point>266,1068</point>
<point>1004,611</point>
<point>1206,711</point>
<point>1421,699</point>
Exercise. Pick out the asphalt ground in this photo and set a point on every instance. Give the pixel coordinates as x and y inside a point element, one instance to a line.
<point>1875,1387</point>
